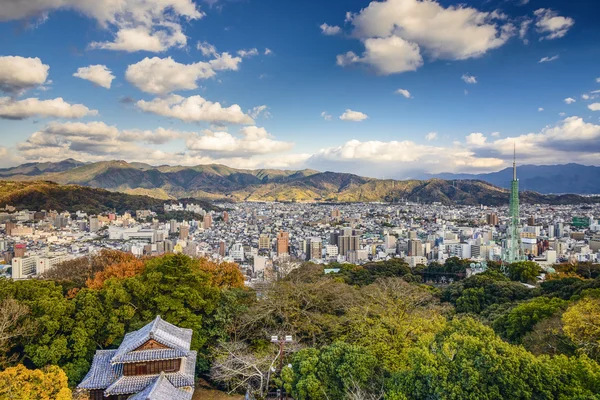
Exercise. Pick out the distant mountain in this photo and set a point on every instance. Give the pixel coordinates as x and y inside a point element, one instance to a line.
<point>213,182</point>
<point>568,178</point>
<point>36,169</point>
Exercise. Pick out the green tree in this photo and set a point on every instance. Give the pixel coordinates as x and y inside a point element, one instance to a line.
<point>582,325</point>
<point>520,320</point>
<point>524,271</point>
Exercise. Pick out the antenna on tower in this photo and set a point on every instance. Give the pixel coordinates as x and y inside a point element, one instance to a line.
<point>515,162</point>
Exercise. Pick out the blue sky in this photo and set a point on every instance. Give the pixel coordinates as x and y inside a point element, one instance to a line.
<point>294,93</point>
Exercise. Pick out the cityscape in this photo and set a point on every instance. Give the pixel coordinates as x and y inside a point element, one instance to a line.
<point>299,200</point>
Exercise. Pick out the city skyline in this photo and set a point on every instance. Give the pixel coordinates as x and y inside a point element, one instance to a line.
<point>355,87</point>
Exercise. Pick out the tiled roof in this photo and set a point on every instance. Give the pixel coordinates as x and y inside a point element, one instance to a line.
<point>163,332</point>
<point>153,355</point>
<point>135,384</point>
<point>162,389</point>
<point>102,373</point>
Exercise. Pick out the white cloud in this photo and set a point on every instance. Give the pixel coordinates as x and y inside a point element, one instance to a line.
<point>248,53</point>
<point>540,109</point>
<point>476,139</point>
<point>330,30</point>
<point>570,100</point>
<point>585,96</point>
<point>18,74</point>
<point>164,75</point>
<point>594,107</point>
<point>98,74</point>
<point>523,29</point>
<point>495,134</point>
<point>195,109</point>
<point>257,111</point>
<point>143,39</point>
<point>152,25</point>
<point>326,116</point>
<point>404,93</point>
<point>431,136</point>
<point>597,80</point>
<point>268,51</point>
<point>253,140</point>
<point>548,59</point>
<point>562,114</point>
<point>355,116</point>
<point>552,25</point>
<point>387,55</point>
<point>409,26</point>
<point>470,79</point>
<point>21,109</point>
<point>206,49</point>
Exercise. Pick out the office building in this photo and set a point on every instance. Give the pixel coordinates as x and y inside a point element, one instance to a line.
<point>283,243</point>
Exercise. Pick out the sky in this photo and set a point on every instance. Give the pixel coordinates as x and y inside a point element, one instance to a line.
<point>387,89</point>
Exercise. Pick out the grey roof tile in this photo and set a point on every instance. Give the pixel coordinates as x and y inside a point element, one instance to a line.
<point>162,389</point>
<point>102,373</point>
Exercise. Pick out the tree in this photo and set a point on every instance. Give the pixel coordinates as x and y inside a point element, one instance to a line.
<point>338,371</point>
<point>224,274</point>
<point>13,325</point>
<point>466,360</point>
<point>582,325</point>
<point>120,270</point>
<point>520,320</point>
<point>524,271</point>
<point>20,383</point>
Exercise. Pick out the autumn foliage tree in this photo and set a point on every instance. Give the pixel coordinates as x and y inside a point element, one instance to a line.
<point>121,270</point>
<point>224,274</point>
<point>20,383</point>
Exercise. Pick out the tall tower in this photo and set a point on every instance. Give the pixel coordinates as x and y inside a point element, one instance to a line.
<point>513,237</point>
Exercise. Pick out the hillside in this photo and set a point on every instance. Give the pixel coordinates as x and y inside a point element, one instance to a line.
<point>43,195</point>
<point>219,182</point>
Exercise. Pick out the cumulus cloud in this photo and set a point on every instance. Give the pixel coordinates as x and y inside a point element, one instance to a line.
<point>330,30</point>
<point>540,109</point>
<point>551,25</point>
<point>404,93</point>
<point>252,140</point>
<point>470,79</point>
<point>18,74</point>
<point>405,28</point>
<point>326,116</point>
<point>164,75</point>
<point>548,59</point>
<point>206,49</point>
<point>570,100</point>
<point>195,109</point>
<point>523,29</point>
<point>268,52</point>
<point>594,107</point>
<point>34,107</point>
<point>152,25</point>
<point>98,74</point>
<point>354,116</point>
<point>387,56</point>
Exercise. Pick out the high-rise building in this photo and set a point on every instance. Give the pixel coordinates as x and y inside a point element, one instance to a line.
<point>207,222</point>
<point>346,239</point>
<point>531,221</point>
<point>184,232</point>
<point>336,214</point>
<point>20,250</point>
<point>314,249</point>
<point>225,216</point>
<point>172,226</point>
<point>222,248</point>
<point>264,241</point>
<point>9,226</point>
<point>415,248</point>
<point>283,243</point>
<point>94,224</point>
<point>512,251</point>
<point>492,219</point>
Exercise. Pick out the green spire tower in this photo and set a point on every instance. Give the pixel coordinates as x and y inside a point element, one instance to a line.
<point>513,237</point>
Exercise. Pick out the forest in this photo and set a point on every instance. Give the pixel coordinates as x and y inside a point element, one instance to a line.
<point>377,331</point>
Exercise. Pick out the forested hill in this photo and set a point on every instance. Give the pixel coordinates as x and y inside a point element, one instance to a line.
<point>43,195</point>
<point>220,182</point>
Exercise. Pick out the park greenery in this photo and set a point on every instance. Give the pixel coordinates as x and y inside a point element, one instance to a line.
<point>382,330</point>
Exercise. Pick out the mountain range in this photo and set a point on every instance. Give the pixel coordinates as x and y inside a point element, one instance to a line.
<point>219,182</point>
<point>568,178</point>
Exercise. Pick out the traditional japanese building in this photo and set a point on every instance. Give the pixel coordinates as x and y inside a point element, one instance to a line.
<point>153,363</point>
